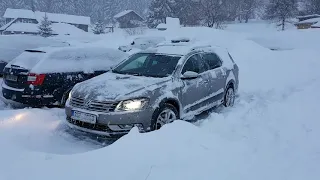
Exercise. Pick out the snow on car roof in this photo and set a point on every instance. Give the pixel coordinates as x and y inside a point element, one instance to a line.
<point>69,59</point>
<point>178,48</point>
<point>13,45</point>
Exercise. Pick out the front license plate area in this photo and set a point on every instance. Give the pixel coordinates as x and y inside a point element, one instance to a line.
<point>84,117</point>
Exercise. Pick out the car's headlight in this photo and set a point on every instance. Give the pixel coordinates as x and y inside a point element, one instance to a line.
<point>132,105</point>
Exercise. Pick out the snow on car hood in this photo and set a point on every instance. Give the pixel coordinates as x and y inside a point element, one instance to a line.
<point>111,86</point>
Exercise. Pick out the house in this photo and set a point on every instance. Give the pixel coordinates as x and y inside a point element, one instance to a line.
<point>21,21</point>
<point>306,22</point>
<point>129,19</point>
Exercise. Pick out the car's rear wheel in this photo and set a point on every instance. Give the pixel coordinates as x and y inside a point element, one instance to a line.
<point>166,114</point>
<point>229,97</point>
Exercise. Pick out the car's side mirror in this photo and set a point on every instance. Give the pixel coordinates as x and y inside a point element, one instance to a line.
<point>190,75</point>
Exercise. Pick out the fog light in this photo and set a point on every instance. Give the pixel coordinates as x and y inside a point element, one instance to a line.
<point>126,126</point>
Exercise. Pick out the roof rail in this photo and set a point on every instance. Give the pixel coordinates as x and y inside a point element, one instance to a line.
<point>181,39</point>
<point>199,47</point>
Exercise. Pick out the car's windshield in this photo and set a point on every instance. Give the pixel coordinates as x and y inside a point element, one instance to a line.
<point>148,64</point>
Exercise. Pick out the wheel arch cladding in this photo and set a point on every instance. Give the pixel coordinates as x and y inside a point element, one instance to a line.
<point>173,102</point>
<point>230,84</point>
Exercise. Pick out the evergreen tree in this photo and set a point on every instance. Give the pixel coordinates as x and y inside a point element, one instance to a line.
<point>45,29</point>
<point>99,27</point>
<point>158,11</point>
<point>281,11</point>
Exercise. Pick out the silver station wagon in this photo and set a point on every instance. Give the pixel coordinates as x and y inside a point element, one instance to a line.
<point>154,87</point>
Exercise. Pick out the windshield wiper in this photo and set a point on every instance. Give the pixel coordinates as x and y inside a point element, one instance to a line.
<point>117,72</point>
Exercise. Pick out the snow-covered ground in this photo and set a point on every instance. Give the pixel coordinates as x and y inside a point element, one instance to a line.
<point>272,132</point>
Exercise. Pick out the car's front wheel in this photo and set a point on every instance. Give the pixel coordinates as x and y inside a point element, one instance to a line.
<point>166,114</point>
<point>229,97</point>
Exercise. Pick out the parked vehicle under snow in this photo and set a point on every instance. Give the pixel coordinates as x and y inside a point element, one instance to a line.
<point>44,76</point>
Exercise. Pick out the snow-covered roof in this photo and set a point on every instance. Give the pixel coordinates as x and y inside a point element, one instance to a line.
<point>313,20</point>
<point>316,25</point>
<point>66,18</point>
<point>4,27</point>
<point>23,27</point>
<point>308,16</point>
<point>123,13</point>
<point>57,28</point>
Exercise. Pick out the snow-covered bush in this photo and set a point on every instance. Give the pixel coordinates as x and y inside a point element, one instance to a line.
<point>99,27</point>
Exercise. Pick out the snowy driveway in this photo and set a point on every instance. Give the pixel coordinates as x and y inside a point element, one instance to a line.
<point>272,133</point>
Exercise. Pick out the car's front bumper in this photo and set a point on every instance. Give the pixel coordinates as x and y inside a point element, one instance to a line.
<point>111,124</point>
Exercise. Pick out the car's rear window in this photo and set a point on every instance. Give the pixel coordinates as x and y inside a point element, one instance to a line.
<point>28,60</point>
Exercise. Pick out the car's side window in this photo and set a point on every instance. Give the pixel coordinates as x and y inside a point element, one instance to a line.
<point>192,64</point>
<point>213,60</point>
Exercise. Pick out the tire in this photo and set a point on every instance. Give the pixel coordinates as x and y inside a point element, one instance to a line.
<point>160,113</point>
<point>229,97</point>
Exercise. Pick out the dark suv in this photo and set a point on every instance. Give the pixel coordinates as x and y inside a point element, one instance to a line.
<point>44,76</point>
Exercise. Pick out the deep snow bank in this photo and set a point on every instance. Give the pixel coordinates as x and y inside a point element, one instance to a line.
<point>36,130</point>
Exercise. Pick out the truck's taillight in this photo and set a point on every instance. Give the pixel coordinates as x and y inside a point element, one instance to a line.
<point>35,79</point>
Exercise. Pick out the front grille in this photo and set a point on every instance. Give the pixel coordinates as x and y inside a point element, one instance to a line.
<point>97,106</point>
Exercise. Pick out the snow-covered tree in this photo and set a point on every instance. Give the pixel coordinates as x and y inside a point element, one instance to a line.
<point>281,11</point>
<point>313,6</point>
<point>247,9</point>
<point>99,27</point>
<point>187,11</point>
<point>158,11</point>
<point>45,29</point>
<point>214,12</point>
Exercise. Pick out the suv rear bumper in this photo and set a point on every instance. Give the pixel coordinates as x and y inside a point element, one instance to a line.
<point>19,97</point>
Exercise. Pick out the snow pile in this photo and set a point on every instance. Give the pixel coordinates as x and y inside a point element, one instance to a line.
<point>38,131</point>
<point>66,29</point>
